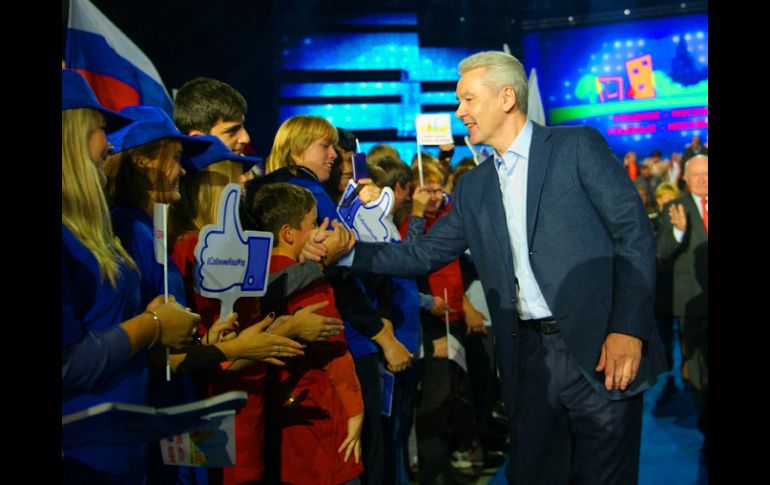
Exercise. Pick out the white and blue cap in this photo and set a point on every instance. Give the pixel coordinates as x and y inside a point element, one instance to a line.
<point>217,152</point>
<point>77,94</point>
<point>152,124</point>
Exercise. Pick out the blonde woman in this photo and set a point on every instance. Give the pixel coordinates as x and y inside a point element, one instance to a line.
<point>103,339</point>
<point>146,170</point>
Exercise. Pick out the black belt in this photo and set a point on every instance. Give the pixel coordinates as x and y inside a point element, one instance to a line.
<point>545,325</point>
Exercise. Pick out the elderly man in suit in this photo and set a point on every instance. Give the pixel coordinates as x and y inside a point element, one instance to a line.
<point>566,256</point>
<point>683,237</point>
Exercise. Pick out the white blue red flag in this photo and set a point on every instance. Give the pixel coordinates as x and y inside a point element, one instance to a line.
<point>118,72</point>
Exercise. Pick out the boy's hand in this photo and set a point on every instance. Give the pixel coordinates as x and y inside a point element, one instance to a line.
<point>352,441</point>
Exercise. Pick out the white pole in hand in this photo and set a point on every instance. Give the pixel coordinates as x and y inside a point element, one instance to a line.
<point>419,164</point>
<point>165,281</point>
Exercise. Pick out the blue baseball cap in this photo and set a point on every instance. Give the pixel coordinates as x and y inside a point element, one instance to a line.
<point>217,152</point>
<point>152,124</point>
<point>76,93</point>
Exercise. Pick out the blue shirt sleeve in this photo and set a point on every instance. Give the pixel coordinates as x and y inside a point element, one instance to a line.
<point>96,356</point>
<point>87,356</point>
<point>426,302</point>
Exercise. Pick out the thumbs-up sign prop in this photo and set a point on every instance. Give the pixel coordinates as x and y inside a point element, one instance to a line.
<point>366,220</point>
<point>231,262</point>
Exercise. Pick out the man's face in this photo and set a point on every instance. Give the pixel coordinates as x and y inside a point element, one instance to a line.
<point>697,176</point>
<point>232,133</point>
<point>481,109</point>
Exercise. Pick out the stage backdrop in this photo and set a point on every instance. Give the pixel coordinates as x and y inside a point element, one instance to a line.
<point>643,84</point>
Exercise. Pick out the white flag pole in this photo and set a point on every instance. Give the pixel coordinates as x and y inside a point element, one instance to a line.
<point>446,313</point>
<point>419,165</point>
<point>165,281</point>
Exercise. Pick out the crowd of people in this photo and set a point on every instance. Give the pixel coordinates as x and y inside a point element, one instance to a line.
<point>675,194</point>
<point>563,337</point>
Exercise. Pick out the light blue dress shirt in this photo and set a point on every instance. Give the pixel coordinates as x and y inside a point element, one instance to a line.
<point>512,169</point>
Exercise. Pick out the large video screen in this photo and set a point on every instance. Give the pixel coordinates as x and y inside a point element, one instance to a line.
<point>643,84</point>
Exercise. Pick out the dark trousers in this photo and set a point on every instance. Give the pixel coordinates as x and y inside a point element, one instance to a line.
<point>482,381</point>
<point>372,448</point>
<point>444,419</point>
<point>666,330</point>
<point>695,354</point>
<point>562,430</point>
<point>398,425</point>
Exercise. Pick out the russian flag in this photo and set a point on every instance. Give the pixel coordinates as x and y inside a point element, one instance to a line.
<point>118,72</point>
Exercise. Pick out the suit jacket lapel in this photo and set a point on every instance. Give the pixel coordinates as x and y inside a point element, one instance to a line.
<point>539,161</point>
<point>493,201</point>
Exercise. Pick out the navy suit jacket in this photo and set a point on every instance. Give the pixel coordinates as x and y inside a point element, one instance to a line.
<point>592,251</point>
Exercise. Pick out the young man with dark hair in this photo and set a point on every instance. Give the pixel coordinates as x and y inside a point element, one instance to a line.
<point>206,106</point>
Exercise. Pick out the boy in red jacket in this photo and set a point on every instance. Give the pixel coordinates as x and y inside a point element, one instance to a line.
<point>316,403</point>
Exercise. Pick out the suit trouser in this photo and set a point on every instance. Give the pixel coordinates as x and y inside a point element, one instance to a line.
<point>695,349</point>
<point>562,429</point>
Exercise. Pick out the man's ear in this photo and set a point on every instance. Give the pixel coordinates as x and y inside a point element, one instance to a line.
<point>508,96</point>
<point>286,234</point>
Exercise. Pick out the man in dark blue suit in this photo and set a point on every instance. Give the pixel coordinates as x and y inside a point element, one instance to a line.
<point>566,256</point>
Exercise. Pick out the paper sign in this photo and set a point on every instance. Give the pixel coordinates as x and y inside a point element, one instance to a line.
<point>230,262</point>
<point>434,129</point>
<point>456,351</point>
<point>367,221</point>
<point>211,445</point>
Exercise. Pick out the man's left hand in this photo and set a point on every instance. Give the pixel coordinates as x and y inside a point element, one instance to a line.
<point>620,360</point>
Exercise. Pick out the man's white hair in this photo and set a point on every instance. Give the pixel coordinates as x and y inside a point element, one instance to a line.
<point>502,70</point>
<point>695,158</point>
